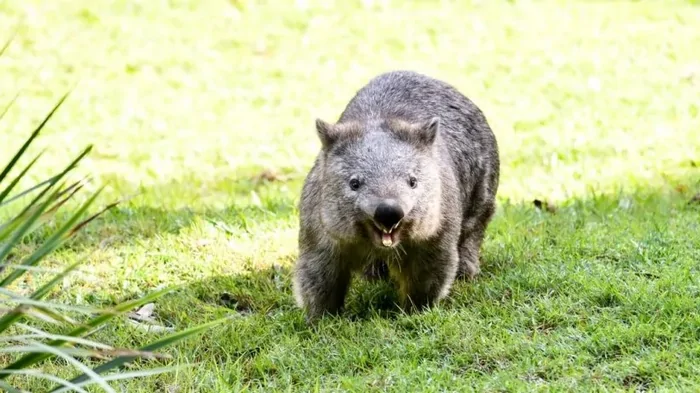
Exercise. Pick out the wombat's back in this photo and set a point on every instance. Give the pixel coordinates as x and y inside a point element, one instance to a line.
<point>416,97</point>
<point>406,94</point>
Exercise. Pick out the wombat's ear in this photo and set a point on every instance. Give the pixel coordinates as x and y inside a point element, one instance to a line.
<point>326,133</point>
<point>427,131</point>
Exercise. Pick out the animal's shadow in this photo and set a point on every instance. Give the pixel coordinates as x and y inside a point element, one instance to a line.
<point>268,291</point>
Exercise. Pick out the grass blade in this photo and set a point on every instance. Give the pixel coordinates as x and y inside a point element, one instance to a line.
<point>73,189</point>
<point>99,349</point>
<point>31,138</point>
<point>118,362</point>
<point>118,310</point>
<point>37,310</point>
<point>41,292</point>
<point>32,205</point>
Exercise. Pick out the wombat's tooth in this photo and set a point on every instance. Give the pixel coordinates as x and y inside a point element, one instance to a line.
<point>386,240</point>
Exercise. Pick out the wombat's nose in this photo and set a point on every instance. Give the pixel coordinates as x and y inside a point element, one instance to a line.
<point>388,214</point>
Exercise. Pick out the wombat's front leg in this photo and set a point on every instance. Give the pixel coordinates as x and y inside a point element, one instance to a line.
<point>427,278</point>
<point>320,284</point>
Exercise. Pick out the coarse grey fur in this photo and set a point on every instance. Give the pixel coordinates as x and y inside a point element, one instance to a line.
<point>420,144</point>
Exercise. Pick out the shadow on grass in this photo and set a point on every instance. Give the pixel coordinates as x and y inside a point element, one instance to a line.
<point>589,281</point>
<point>521,240</point>
<point>552,228</point>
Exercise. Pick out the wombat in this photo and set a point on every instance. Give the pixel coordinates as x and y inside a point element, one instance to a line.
<point>405,184</point>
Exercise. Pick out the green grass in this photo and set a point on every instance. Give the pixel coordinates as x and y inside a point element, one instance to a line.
<point>595,106</point>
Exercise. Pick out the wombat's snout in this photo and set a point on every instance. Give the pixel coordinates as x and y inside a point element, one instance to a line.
<point>388,214</point>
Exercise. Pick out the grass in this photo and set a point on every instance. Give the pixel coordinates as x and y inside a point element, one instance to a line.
<point>204,111</point>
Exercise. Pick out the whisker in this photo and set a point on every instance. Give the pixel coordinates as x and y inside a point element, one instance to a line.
<point>397,261</point>
<point>400,247</point>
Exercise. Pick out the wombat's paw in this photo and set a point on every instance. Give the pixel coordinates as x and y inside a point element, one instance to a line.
<point>419,303</point>
<point>468,268</point>
<point>313,315</point>
<point>312,319</point>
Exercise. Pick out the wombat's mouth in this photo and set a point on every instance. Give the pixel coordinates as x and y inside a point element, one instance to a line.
<point>386,237</point>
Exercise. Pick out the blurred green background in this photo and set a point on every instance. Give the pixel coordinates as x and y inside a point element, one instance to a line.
<point>184,98</point>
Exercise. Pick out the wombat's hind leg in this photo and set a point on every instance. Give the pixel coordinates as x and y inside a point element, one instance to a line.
<point>472,238</point>
<point>320,287</point>
<point>469,254</point>
<point>469,250</point>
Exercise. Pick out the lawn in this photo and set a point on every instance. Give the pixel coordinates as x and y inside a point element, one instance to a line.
<point>202,114</point>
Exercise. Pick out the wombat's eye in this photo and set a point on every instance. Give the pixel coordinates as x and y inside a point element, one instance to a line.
<point>354,184</point>
<point>412,181</point>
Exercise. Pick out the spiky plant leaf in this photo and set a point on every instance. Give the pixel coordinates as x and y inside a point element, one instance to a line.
<point>8,189</point>
<point>6,387</point>
<point>43,375</point>
<point>170,339</point>
<point>27,191</point>
<point>99,320</point>
<point>62,353</point>
<point>126,375</point>
<point>35,344</point>
<point>48,246</point>
<point>29,141</point>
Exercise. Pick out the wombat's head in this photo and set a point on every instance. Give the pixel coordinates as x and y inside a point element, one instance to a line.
<point>381,181</point>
